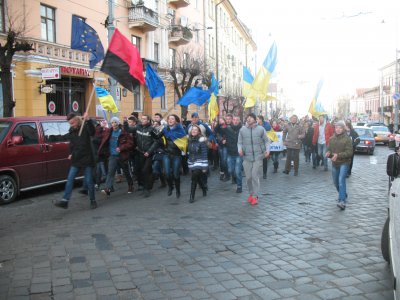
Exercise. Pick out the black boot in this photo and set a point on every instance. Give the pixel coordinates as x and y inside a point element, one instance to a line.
<point>163,182</point>
<point>202,183</point>
<point>192,191</point>
<point>276,167</point>
<point>170,186</point>
<point>178,187</point>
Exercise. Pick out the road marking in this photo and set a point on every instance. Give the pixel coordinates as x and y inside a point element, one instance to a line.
<point>373,160</point>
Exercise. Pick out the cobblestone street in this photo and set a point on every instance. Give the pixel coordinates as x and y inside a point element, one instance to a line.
<point>296,244</point>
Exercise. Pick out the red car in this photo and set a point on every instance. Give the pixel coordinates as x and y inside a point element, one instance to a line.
<point>33,153</point>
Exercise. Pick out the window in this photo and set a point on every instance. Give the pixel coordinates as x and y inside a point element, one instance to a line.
<point>137,99</point>
<point>156,52</point>
<point>172,58</point>
<point>29,133</point>
<point>48,24</point>
<point>196,4</point>
<point>163,102</point>
<point>2,26</point>
<point>55,131</point>
<point>136,42</point>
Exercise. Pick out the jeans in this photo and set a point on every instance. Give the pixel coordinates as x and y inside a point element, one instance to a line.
<point>275,157</point>
<point>253,171</point>
<point>88,173</point>
<point>235,164</point>
<point>321,153</point>
<point>307,152</point>
<point>173,161</point>
<point>339,173</point>
<point>157,167</point>
<point>101,173</point>
<point>114,162</point>
<point>223,154</point>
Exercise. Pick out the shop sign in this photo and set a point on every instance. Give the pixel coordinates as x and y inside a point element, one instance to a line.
<point>75,106</point>
<point>47,88</point>
<point>52,107</point>
<point>50,73</point>
<point>82,72</point>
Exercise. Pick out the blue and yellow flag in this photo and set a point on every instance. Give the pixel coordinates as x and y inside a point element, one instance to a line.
<point>106,100</point>
<point>178,136</point>
<point>271,134</point>
<point>213,109</point>
<point>316,108</point>
<point>85,38</point>
<point>195,95</point>
<point>247,89</point>
<point>261,81</point>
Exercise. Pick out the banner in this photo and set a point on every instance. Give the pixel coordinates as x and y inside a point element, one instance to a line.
<point>277,146</point>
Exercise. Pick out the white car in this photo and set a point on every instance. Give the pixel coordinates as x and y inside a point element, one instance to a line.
<point>390,241</point>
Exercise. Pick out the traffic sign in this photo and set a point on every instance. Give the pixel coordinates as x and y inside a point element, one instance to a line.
<point>52,107</point>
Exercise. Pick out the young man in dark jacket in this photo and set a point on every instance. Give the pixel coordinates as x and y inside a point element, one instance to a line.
<point>81,157</point>
<point>234,160</point>
<point>146,143</point>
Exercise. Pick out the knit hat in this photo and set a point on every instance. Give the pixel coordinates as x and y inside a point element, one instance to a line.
<point>115,119</point>
<point>341,124</point>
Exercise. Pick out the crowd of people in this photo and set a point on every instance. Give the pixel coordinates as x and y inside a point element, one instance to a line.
<point>149,149</point>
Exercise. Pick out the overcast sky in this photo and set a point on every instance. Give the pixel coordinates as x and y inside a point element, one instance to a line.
<point>344,42</point>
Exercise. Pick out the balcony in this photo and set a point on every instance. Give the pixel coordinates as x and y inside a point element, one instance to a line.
<point>179,3</point>
<point>143,18</point>
<point>54,51</point>
<point>180,35</point>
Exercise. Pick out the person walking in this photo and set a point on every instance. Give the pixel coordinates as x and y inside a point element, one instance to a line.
<point>197,160</point>
<point>116,144</point>
<point>340,150</point>
<point>176,145</point>
<point>253,146</point>
<point>234,160</point>
<point>322,133</point>
<point>81,157</point>
<point>275,153</point>
<point>146,143</point>
<point>267,127</point>
<point>307,141</point>
<point>292,135</point>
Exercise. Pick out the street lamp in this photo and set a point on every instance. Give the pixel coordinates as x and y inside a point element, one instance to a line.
<point>396,102</point>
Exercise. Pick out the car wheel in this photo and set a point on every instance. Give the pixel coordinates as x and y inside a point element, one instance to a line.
<point>385,241</point>
<point>8,189</point>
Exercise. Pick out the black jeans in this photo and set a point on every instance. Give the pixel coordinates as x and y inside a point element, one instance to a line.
<point>144,171</point>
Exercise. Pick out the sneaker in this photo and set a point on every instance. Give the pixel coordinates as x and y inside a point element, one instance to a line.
<point>254,201</point>
<point>238,190</point>
<point>93,204</point>
<point>250,198</point>
<point>106,192</point>
<point>130,189</point>
<point>341,205</point>
<point>96,187</point>
<point>61,203</point>
<point>285,172</point>
<point>83,192</point>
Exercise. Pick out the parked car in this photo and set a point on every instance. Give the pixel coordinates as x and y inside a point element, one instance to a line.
<point>34,153</point>
<point>390,240</point>
<point>382,134</point>
<point>367,140</point>
<point>370,124</point>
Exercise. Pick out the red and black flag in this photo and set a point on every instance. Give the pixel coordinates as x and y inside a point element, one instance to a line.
<point>123,62</point>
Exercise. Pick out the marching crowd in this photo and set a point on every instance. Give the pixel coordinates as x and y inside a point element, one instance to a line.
<point>149,149</point>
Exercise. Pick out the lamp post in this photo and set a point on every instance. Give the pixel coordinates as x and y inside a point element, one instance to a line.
<point>216,38</point>
<point>111,28</point>
<point>396,102</point>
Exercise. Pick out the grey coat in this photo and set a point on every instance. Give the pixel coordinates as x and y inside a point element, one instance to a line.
<point>253,141</point>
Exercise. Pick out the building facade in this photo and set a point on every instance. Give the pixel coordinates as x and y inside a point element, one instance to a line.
<point>160,29</point>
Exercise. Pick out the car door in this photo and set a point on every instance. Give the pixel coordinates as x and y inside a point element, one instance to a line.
<point>28,158</point>
<point>56,146</point>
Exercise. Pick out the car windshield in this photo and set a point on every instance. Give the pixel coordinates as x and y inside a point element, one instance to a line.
<point>4,126</point>
<point>380,128</point>
<point>364,132</point>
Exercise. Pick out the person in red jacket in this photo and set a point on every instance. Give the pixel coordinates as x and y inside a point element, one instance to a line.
<point>322,133</point>
<point>116,144</point>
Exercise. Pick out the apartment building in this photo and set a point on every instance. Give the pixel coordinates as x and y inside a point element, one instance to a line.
<point>160,29</point>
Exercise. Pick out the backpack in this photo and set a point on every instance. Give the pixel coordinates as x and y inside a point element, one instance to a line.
<point>393,165</point>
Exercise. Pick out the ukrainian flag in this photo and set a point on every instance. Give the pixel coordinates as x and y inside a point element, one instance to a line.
<point>261,81</point>
<point>106,100</point>
<point>271,134</point>
<point>213,109</point>
<point>182,143</point>
<point>316,108</point>
<point>178,136</point>
<point>247,89</point>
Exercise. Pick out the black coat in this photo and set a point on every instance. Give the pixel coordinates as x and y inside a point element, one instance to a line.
<point>81,146</point>
<point>145,137</point>
<point>231,136</point>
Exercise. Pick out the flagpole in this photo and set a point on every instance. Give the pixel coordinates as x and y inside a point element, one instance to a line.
<point>87,109</point>
<point>111,28</point>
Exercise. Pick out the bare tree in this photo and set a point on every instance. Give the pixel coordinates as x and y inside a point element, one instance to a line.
<point>14,43</point>
<point>188,68</point>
